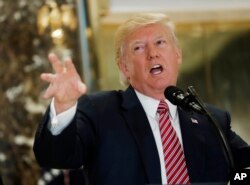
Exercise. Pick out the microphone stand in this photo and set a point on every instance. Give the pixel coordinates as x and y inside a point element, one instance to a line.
<point>226,149</point>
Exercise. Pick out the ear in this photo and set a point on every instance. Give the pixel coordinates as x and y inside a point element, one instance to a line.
<point>179,55</point>
<point>123,68</point>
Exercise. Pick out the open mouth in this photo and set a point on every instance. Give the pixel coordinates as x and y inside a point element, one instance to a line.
<point>156,69</point>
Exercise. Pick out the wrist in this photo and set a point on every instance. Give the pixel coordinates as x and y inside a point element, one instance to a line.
<point>63,106</point>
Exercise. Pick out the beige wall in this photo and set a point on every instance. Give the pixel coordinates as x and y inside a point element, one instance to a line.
<point>108,70</point>
<point>208,64</point>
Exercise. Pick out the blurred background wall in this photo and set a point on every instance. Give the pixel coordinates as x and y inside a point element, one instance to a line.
<point>214,36</point>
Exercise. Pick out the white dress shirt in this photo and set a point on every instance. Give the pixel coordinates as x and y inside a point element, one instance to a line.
<point>60,121</point>
<point>150,106</point>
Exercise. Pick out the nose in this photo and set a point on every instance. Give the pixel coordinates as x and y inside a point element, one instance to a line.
<point>152,52</point>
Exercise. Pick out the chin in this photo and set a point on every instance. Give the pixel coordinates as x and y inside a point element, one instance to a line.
<point>159,87</point>
<point>160,84</point>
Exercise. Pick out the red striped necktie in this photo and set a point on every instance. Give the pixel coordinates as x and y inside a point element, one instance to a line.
<point>175,163</point>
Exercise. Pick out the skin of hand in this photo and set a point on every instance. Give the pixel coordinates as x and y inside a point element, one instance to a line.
<point>65,85</point>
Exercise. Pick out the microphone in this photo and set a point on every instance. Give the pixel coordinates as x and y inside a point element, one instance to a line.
<point>191,100</point>
<point>185,100</point>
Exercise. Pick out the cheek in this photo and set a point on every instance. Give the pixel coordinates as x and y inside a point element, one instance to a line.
<point>135,64</point>
<point>175,60</point>
<point>173,66</point>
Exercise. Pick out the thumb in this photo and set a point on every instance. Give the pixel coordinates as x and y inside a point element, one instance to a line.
<point>82,88</point>
<point>48,93</point>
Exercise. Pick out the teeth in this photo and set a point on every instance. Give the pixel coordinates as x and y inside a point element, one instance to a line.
<point>156,69</point>
<point>156,66</point>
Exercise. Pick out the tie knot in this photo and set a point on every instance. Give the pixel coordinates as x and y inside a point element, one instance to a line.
<point>163,107</point>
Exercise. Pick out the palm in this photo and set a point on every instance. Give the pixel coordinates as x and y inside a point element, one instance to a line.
<point>65,85</point>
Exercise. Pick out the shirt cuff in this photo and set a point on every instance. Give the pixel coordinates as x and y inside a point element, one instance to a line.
<point>61,121</point>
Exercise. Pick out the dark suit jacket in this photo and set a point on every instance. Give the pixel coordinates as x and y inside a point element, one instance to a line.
<point>111,137</point>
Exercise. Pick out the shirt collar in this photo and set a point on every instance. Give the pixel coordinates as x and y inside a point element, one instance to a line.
<point>150,105</point>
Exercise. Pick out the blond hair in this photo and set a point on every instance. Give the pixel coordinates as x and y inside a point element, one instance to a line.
<point>132,24</point>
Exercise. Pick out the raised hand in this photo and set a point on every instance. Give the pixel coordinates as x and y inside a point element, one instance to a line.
<point>65,85</point>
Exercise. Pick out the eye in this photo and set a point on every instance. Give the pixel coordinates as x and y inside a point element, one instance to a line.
<point>138,48</point>
<point>161,42</point>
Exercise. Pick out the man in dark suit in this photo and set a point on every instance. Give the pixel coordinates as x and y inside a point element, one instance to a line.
<point>117,135</point>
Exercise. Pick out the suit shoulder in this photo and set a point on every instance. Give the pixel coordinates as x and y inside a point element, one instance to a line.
<point>102,98</point>
<point>215,110</point>
<point>221,115</point>
<point>105,96</point>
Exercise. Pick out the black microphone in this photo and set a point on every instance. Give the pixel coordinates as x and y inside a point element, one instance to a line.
<point>185,100</point>
<point>191,100</point>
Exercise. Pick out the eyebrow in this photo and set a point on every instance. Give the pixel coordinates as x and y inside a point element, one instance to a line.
<point>161,37</point>
<point>135,42</point>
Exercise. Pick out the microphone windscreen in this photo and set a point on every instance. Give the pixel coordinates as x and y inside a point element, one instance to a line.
<point>171,93</point>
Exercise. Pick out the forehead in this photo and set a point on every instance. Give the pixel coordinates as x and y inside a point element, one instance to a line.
<point>150,31</point>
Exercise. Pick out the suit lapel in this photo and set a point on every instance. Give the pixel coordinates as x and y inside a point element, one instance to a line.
<point>193,143</point>
<point>137,122</point>
<point>191,128</point>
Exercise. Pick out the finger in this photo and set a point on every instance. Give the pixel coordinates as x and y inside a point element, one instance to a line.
<point>49,92</point>
<point>56,63</point>
<point>70,66</point>
<point>48,77</point>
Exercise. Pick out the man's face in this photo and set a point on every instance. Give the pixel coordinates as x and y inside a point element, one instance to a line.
<point>151,60</point>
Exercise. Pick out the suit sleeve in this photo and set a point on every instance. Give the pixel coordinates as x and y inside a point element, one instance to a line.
<point>240,149</point>
<point>73,146</point>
